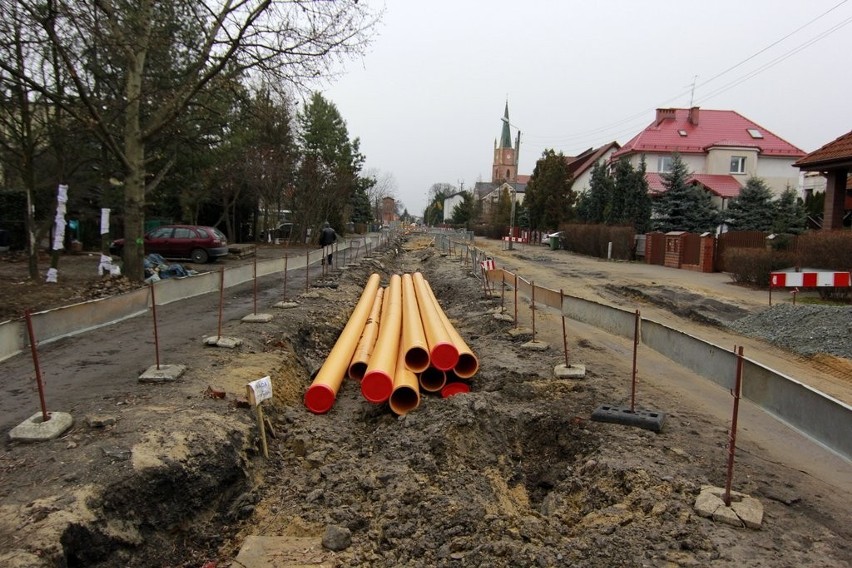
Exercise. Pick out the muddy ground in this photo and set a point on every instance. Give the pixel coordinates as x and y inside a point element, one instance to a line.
<point>512,474</point>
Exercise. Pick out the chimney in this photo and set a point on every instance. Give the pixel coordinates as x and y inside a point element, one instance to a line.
<point>693,116</point>
<point>665,114</point>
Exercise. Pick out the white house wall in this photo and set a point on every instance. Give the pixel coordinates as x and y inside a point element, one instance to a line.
<point>450,204</point>
<point>778,173</point>
<point>719,162</point>
<point>583,181</point>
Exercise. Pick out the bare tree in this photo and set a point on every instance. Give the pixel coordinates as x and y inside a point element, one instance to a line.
<point>385,186</point>
<point>161,55</point>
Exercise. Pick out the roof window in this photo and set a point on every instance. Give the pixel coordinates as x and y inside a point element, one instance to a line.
<point>682,132</point>
<point>755,133</point>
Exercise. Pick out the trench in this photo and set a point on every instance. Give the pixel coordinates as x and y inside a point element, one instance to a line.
<point>173,511</point>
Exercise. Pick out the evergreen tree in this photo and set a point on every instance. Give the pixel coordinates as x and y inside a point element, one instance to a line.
<point>636,198</point>
<point>464,211</point>
<point>593,204</point>
<point>549,198</point>
<point>790,214</point>
<point>330,165</point>
<point>683,207</point>
<point>752,209</point>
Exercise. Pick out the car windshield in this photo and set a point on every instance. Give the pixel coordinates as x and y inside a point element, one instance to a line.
<point>219,235</point>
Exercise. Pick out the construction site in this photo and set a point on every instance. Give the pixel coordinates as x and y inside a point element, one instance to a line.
<point>541,409</point>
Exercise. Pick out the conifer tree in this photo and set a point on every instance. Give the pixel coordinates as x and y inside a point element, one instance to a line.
<point>593,203</point>
<point>790,214</point>
<point>752,209</point>
<point>633,203</point>
<point>683,207</point>
<point>549,198</point>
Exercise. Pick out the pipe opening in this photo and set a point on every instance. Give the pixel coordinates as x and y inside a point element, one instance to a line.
<point>417,359</point>
<point>319,398</point>
<point>444,356</point>
<point>457,387</point>
<point>357,370</point>
<point>432,379</point>
<point>376,386</point>
<point>467,365</point>
<point>404,399</point>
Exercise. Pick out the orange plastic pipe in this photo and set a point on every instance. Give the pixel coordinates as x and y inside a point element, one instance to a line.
<point>377,384</point>
<point>319,398</point>
<point>414,346</point>
<point>406,391</point>
<point>358,365</point>
<point>468,363</point>
<point>433,379</point>
<point>443,355</point>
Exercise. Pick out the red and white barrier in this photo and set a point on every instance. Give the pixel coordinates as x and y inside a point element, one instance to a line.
<point>810,279</point>
<point>813,279</point>
<point>488,264</point>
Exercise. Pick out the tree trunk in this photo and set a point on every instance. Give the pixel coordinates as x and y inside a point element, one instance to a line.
<point>134,187</point>
<point>32,244</point>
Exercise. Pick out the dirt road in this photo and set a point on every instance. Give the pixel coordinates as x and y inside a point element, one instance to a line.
<point>511,474</point>
<point>683,299</point>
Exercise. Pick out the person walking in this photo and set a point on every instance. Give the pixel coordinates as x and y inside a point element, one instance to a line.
<point>328,237</point>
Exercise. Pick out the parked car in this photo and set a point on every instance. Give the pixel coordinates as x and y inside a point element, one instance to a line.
<point>195,242</point>
<point>282,231</point>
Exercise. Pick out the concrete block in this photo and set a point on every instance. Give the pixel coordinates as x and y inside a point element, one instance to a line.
<point>647,419</point>
<point>727,516</point>
<point>285,305</point>
<point>563,371</point>
<point>227,342</point>
<point>535,346</point>
<point>750,512</point>
<point>257,318</point>
<point>516,332</point>
<point>35,429</point>
<point>744,510</point>
<point>503,317</point>
<point>282,552</point>
<point>165,374</point>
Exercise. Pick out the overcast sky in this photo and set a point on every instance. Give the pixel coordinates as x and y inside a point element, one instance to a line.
<point>427,98</point>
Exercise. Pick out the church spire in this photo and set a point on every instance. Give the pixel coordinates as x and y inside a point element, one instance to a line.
<point>505,136</point>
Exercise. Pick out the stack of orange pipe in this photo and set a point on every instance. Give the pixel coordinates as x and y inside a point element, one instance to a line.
<point>398,341</point>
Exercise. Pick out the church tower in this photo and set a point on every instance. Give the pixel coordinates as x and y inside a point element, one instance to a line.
<point>505,167</point>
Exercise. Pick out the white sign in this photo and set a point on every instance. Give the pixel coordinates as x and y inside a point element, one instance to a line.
<point>260,390</point>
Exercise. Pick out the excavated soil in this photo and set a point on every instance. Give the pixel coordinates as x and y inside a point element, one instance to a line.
<point>511,474</point>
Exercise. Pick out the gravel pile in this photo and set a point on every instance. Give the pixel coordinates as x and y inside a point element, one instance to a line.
<point>804,329</point>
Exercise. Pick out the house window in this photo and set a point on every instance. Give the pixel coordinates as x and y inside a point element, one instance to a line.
<point>738,164</point>
<point>664,164</point>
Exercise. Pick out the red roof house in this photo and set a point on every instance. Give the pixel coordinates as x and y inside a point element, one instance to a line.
<point>721,147</point>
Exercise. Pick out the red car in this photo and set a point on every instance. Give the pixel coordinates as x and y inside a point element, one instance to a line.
<point>197,243</point>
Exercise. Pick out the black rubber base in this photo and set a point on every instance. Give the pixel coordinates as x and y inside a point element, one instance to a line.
<point>647,419</point>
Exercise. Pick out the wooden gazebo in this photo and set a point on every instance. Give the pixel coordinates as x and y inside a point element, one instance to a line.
<point>834,161</point>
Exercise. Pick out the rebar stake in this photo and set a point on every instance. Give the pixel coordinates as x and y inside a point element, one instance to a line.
<point>154,316</point>
<point>732,445</point>
<point>39,384</point>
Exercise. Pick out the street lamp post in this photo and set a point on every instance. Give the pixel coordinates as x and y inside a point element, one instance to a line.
<point>512,219</point>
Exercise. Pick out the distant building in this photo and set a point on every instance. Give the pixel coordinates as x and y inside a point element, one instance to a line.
<point>580,166</point>
<point>504,170</point>
<point>388,212</point>
<point>721,147</point>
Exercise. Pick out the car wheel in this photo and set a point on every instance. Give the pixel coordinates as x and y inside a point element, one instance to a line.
<point>199,256</point>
